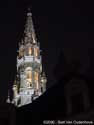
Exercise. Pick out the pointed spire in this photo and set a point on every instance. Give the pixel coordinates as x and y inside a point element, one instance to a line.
<point>8,98</point>
<point>29,29</point>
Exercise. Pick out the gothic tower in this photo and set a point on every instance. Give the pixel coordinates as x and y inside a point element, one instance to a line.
<point>30,81</point>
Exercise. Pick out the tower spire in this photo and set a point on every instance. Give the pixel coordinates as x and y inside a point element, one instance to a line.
<point>29,29</point>
<point>29,83</point>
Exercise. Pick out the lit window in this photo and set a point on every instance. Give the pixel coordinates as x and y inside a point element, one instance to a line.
<point>36,78</point>
<point>29,76</point>
<point>30,51</point>
<point>36,51</point>
<point>21,52</point>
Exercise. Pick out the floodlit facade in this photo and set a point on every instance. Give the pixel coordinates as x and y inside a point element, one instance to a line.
<point>30,81</point>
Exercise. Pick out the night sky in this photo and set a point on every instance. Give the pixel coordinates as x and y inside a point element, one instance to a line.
<point>66,28</point>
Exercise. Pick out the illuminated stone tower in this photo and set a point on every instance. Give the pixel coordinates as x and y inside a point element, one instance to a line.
<point>30,81</point>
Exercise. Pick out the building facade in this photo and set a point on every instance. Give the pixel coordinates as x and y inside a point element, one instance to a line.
<point>30,81</point>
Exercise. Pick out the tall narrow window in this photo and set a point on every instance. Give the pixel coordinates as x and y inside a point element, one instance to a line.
<point>29,77</point>
<point>36,51</point>
<point>36,78</point>
<point>29,51</point>
<point>21,52</point>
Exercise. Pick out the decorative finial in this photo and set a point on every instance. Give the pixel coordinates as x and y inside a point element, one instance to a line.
<point>29,12</point>
<point>44,75</point>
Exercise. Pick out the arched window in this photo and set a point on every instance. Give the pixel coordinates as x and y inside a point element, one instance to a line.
<point>29,76</point>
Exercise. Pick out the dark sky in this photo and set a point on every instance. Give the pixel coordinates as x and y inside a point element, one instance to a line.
<point>66,27</point>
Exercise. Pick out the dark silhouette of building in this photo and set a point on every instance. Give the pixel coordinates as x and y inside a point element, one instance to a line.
<point>69,99</point>
<point>7,114</point>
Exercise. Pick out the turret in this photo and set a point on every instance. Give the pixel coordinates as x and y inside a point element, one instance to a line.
<point>8,98</point>
<point>43,81</point>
